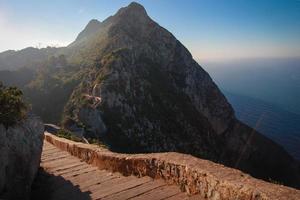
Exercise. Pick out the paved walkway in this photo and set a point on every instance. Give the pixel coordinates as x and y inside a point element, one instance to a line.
<point>64,177</point>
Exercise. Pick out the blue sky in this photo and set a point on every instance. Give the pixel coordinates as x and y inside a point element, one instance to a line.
<point>210,29</point>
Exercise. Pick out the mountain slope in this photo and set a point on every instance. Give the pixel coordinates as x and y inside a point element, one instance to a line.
<point>155,97</point>
<point>29,57</point>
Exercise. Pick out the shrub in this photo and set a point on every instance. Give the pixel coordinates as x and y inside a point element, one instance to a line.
<point>97,142</point>
<point>12,107</point>
<point>275,182</point>
<point>68,135</point>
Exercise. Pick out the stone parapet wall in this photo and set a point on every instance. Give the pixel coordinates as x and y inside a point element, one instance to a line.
<point>191,174</point>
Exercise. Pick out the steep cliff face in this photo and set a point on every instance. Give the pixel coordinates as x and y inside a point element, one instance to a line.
<point>155,97</point>
<point>20,153</point>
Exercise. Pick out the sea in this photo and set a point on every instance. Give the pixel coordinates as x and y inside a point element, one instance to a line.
<point>265,94</point>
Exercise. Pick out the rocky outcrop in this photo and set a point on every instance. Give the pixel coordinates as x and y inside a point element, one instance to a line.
<point>155,98</point>
<point>92,119</point>
<point>20,153</point>
<point>193,175</point>
<point>89,30</point>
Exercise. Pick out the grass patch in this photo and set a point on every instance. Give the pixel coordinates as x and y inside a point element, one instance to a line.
<point>275,182</point>
<point>97,142</point>
<point>68,135</point>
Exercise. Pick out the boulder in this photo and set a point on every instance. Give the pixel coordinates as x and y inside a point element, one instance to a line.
<point>20,154</point>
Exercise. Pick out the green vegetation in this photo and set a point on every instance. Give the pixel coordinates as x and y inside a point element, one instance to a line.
<point>100,78</point>
<point>97,142</point>
<point>50,87</point>
<point>68,135</point>
<point>275,182</point>
<point>13,108</point>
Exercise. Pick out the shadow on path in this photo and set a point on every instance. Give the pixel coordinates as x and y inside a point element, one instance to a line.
<point>48,186</point>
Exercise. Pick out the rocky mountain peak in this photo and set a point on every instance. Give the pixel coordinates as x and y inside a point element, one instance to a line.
<point>92,23</point>
<point>133,12</point>
<point>133,8</point>
<point>92,27</point>
<point>128,20</point>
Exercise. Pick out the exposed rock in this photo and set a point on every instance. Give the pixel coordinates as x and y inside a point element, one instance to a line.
<point>20,153</point>
<point>92,119</point>
<point>155,97</point>
<point>90,29</point>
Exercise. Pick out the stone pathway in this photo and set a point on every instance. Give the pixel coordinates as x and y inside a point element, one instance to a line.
<point>64,177</point>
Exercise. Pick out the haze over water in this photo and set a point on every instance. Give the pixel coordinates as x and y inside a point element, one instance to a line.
<point>265,91</point>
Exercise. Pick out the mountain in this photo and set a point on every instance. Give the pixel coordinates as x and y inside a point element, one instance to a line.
<point>29,57</point>
<point>131,83</point>
<point>92,27</point>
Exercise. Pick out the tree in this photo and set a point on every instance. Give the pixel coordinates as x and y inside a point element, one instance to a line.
<point>12,107</point>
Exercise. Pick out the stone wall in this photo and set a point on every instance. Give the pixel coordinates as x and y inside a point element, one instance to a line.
<point>20,153</point>
<point>191,174</point>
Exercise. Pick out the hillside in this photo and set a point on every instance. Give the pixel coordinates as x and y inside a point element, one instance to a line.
<point>131,83</point>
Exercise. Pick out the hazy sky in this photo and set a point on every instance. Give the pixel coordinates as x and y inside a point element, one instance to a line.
<point>210,29</point>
